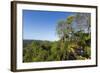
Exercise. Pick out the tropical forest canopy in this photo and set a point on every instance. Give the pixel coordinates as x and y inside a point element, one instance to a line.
<point>74,42</point>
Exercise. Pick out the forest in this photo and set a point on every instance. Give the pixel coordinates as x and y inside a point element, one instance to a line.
<point>74,42</point>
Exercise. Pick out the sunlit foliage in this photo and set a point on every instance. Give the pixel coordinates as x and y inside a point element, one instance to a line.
<point>74,42</point>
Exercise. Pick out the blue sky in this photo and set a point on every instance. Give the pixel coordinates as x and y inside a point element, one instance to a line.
<point>41,25</point>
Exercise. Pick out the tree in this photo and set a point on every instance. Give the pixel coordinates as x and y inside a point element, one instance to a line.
<point>69,22</point>
<point>82,21</point>
<point>62,29</point>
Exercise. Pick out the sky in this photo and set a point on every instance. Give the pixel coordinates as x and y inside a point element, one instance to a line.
<point>41,25</point>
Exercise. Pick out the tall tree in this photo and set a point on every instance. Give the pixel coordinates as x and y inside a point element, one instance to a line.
<point>69,22</point>
<point>62,29</point>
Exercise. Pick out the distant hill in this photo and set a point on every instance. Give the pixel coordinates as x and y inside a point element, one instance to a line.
<point>27,42</point>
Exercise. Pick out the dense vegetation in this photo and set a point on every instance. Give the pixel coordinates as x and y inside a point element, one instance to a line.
<point>74,43</point>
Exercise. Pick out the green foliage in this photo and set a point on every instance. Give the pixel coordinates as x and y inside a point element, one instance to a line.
<point>61,28</point>
<point>80,58</point>
<point>74,43</point>
<point>87,52</point>
<point>70,19</point>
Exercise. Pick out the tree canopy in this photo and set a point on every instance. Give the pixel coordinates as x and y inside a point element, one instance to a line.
<point>74,41</point>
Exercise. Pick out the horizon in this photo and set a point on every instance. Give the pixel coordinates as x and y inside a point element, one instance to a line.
<point>39,40</point>
<point>41,25</point>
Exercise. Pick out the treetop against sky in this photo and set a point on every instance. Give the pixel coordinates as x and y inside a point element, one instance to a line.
<point>41,25</point>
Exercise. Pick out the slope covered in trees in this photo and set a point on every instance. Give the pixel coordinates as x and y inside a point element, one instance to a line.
<point>74,42</point>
